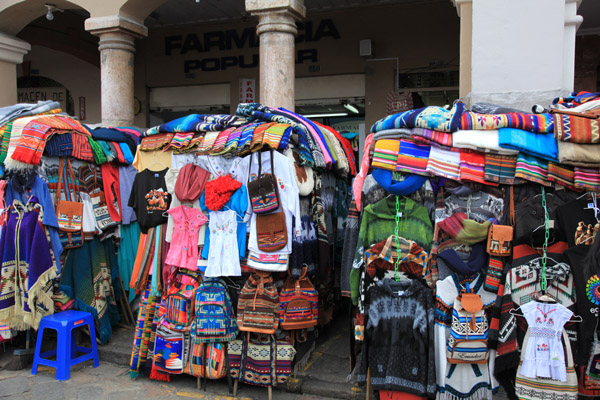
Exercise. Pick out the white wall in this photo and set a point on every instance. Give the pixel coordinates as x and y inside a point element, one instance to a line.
<point>81,78</point>
<point>518,50</point>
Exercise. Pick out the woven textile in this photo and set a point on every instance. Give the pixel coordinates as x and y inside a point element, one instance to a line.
<point>142,339</point>
<point>413,157</point>
<point>540,145</point>
<point>258,307</point>
<point>169,351</point>
<point>156,142</point>
<point>432,117</point>
<point>561,174</point>
<point>179,140</point>
<point>246,138</point>
<point>5,131</point>
<point>221,141</point>
<point>59,146</point>
<point>82,149</point>
<point>385,154</point>
<point>233,140</point>
<point>214,319</point>
<point>532,169</point>
<point>482,140</point>
<point>472,167</point>
<point>445,163</point>
<point>258,135</point>
<point>273,135</point>
<point>570,128</point>
<point>500,169</point>
<point>587,178</point>
<point>541,123</point>
<point>583,155</point>
<point>194,123</point>
<point>443,138</point>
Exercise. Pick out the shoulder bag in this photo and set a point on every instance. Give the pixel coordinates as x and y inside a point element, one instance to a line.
<point>263,192</point>
<point>500,236</point>
<point>69,213</point>
<point>271,231</point>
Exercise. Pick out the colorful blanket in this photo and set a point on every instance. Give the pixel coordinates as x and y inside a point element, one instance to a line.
<point>500,168</point>
<point>587,178</point>
<point>143,340</point>
<point>540,123</point>
<point>194,123</point>
<point>432,117</point>
<point>540,145</point>
<point>570,128</point>
<point>532,169</point>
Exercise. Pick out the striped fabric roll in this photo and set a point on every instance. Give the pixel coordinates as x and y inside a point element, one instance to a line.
<point>500,169</point>
<point>541,123</point>
<point>221,141</point>
<point>587,178</point>
<point>208,142</point>
<point>561,174</point>
<point>195,142</point>
<point>385,154</point>
<point>274,134</point>
<point>245,140</point>
<point>180,139</point>
<point>532,169</point>
<point>231,142</point>
<point>443,138</point>
<point>445,163</point>
<point>413,157</point>
<point>156,142</point>
<point>472,167</point>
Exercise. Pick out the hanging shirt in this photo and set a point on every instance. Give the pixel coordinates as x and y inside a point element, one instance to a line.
<point>150,198</point>
<point>183,251</point>
<point>288,194</point>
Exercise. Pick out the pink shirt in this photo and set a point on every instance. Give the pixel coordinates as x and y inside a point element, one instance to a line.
<point>184,243</point>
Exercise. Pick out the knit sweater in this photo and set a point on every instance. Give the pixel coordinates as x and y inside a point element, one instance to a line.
<point>399,347</point>
<point>378,223</point>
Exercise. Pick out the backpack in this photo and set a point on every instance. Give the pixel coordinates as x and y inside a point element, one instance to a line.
<point>299,303</point>
<point>214,319</point>
<point>179,307</point>
<point>170,350</point>
<point>258,304</point>
<point>469,330</point>
<point>207,360</point>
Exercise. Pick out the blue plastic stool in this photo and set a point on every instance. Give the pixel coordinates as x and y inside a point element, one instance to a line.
<point>66,350</point>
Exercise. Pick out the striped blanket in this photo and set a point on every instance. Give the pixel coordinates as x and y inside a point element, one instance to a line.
<point>194,123</point>
<point>540,123</point>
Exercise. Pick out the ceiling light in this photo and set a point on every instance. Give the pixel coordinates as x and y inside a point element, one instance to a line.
<point>326,115</point>
<point>51,8</point>
<point>351,108</point>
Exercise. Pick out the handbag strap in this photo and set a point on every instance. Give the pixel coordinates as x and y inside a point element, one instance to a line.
<point>512,205</point>
<point>75,184</point>
<point>61,166</point>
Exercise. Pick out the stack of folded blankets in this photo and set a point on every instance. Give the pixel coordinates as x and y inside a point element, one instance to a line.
<point>558,147</point>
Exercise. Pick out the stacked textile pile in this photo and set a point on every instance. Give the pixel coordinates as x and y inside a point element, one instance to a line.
<point>486,211</point>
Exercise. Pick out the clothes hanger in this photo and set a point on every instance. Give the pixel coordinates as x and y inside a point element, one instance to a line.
<point>229,282</point>
<point>518,312</point>
<point>227,208</point>
<point>156,161</point>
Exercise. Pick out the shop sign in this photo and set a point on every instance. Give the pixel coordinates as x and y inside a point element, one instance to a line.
<point>209,43</point>
<point>33,95</point>
<point>247,91</point>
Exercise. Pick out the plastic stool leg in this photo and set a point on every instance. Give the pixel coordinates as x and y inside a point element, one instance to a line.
<point>63,359</point>
<point>38,350</point>
<point>73,344</point>
<point>92,329</point>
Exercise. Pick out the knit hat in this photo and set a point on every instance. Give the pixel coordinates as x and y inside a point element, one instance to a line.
<point>190,182</point>
<point>218,192</point>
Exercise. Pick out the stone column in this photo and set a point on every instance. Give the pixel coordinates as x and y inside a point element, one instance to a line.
<point>277,30</point>
<point>117,47</point>
<point>12,51</point>
<point>517,53</point>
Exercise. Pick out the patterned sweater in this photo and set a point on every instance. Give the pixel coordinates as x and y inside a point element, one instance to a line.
<point>399,347</point>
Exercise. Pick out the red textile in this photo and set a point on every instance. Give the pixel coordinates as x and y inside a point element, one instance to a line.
<point>218,191</point>
<point>112,191</point>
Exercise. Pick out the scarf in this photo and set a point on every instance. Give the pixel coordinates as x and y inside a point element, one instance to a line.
<point>409,185</point>
<point>477,260</point>
<point>190,182</point>
<point>219,190</point>
<point>364,170</point>
<point>464,230</point>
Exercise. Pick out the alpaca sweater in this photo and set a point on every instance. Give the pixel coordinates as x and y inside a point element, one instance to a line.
<point>399,347</point>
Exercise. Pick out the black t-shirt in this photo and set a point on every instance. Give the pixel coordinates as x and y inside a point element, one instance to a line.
<point>587,291</point>
<point>577,222</point>
<point>149,198</point>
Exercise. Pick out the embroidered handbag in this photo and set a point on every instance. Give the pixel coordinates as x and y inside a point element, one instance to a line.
<point>271,231</point>
<point>548,388</point>
<point>260,362</point>
<point>467,343</point>
<point>500,236</point>
<point>299,303</point>
<point>68,213</point>
<point>263,191</point>
<point>258,304</point>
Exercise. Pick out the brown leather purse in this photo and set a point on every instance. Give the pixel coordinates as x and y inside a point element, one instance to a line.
<point>69,213</point>
<point>271,231</point>
<point>501,236</point>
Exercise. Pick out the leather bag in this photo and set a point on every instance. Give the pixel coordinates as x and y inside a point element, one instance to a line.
<point>271,231</point>
<point>500,236</point>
